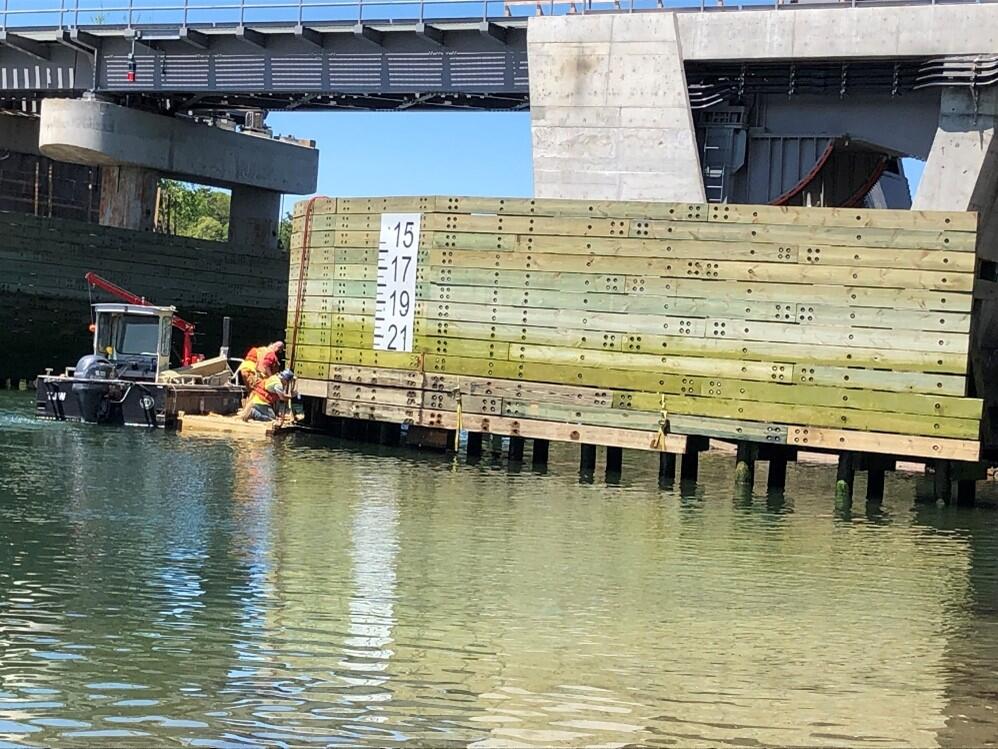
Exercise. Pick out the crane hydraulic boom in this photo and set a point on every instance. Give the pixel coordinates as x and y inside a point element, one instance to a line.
<point>188,357</point>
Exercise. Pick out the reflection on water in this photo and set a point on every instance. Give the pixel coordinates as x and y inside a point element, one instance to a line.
<point>158,590</point>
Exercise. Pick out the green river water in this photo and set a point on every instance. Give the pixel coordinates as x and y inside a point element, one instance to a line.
<point>157,590</point>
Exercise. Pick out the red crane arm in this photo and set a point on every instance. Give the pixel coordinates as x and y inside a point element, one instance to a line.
<point>113,289</point>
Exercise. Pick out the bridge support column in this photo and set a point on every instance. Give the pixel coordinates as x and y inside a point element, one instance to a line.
<point>135,147</point>
<point>610,110</point>
<point>961,173</point>
<point>128,197</point>
<point>254,218</point>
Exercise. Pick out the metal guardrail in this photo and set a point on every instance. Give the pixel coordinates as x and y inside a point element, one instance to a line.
<point>68,14</point>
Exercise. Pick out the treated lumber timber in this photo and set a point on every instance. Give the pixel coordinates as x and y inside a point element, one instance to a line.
<point>359,329</point>
<point>886,444</point>
<point>215,425</point>
<point>855,295</point>
<point>734,429</point>
<point>813,395</point>
<point>612,417</point>
<point>876,379</point>
<point>803,235</point>
<point>708,269</point>
<point>810,333</point>
<point>311,388</point>
<point>845,217</point>
<point>529,428</point>
<point>674,365</point>
<point>728,213</point>
<point>846,418</point>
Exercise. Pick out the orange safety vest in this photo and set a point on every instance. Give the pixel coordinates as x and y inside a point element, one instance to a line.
<point>262,396</point>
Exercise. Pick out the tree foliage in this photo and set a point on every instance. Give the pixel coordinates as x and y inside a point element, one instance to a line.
<point>187,210</point>
<point>284,232</point>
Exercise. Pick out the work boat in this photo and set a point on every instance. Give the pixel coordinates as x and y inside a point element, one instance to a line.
<point>127,380</point>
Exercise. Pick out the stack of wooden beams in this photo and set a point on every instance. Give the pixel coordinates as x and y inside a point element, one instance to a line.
<point>637,324</point>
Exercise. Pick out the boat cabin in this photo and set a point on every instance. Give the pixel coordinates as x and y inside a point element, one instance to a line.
<point>135,338</point>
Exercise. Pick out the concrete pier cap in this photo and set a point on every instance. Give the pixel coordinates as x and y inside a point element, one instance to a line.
<point>98,133</point>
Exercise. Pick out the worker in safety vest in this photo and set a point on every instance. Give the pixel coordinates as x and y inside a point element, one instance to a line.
<point>268,397</point>
<point>259,363</point>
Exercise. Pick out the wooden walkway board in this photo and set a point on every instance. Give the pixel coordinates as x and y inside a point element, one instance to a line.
<point>216,425</point>
<point>641,322</point>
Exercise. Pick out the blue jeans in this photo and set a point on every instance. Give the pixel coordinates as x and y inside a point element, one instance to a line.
<point>262,413</point>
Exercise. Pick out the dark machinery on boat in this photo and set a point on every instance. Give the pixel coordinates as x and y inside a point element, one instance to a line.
<point>127,380</point>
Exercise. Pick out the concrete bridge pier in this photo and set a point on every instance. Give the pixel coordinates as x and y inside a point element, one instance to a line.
<point>135,149</point>
<point>610,110</point>
<point>128,197</point>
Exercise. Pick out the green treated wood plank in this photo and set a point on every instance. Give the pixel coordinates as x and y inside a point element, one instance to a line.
<point>659,249</point>
<point>946,260</point>
<point>708,270</point>
<point>879,358</point>
<point>871,317</point>
<point>734,429</point>
<point>370,358</point>
<point>846,296</point>
<point>573,338</point>
<point>844,217</point>
<point>818,396</point>
<point>804,235</point>
<point>580,415</point>
<point>749,370</point>
<point>596,227</point>
<point>461,347</point>
<point>560,318</point>
<point>876,379</point>
<point>839,418</point>
<point>813,334</point>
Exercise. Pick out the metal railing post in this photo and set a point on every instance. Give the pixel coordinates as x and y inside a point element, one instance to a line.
<point>4,24</point>
<point>186,11</point>
<point>242,12</point>
<point>301,11</point>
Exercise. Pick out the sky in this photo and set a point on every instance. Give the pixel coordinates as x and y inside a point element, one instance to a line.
<point>426,153</point>
<point>417,153</point>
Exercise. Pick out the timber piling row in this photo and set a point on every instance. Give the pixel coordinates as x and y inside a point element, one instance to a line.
<point>744,462</point>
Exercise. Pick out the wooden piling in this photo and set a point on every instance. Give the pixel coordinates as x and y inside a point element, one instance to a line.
<point>587,458</point>
<point>496,446</point>
<point>745,465</point>
<point>875,475</point>
<point>516,449</point>
<point>942,480</point>
<point>474,444</point>
<point>689,466</point>
<point>614,460</point>
<point>666,469</point>
<point>845,477</point>
<point>776,479</point>
<point>539,456</point>
<point>966,492</point>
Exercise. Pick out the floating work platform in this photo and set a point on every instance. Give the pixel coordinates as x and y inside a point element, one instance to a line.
<point>216,425</point>
<point>645,325</point>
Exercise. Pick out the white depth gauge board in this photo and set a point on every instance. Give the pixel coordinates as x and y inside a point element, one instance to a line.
<point>395,307</point>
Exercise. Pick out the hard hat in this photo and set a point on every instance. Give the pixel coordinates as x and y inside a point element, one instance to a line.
<point>287,374</point>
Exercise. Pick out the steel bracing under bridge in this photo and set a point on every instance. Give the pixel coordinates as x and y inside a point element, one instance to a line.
<point>228,55</point>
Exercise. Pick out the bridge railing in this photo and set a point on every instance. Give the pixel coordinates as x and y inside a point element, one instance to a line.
<point>153,13</point>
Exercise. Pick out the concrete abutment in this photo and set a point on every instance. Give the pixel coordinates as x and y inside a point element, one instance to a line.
<point>135,149</point>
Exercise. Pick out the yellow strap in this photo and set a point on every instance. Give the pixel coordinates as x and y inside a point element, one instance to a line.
<point>457,432</point>
<point>660,437</point>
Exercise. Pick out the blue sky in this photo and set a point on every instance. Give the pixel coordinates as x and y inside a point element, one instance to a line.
<point>425,153</point>
<point>417,153</point>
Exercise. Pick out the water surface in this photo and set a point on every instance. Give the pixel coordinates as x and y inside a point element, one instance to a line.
<point>157,590</point>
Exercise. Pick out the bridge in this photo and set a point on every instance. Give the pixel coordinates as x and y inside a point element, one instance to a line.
<point>794,103</point>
